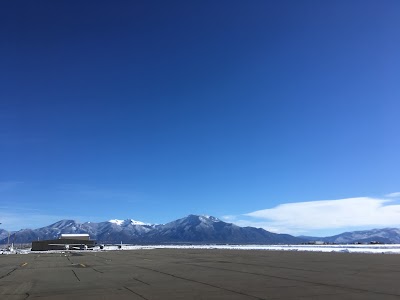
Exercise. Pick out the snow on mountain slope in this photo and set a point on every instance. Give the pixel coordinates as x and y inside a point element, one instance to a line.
<point>3,234</point>
<point>191,229</point>
<point>127,222</point>
<point>384,235</point>
<point>116,221</point>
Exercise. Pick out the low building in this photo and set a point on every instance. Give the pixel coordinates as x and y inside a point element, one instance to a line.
<point>65,242</point>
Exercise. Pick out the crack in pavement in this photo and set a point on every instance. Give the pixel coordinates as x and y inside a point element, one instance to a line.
<point>133,292</point>
<point>75,275</point>
<point>300,280</point>
<point>97,270</point>
<point>141,281</point>
<point>8,274</point>
<point>204,283</point>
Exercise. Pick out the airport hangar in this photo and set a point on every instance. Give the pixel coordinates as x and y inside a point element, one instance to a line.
<point>66,241</point>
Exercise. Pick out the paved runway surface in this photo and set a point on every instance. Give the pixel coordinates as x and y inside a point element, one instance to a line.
<point>199,274</point>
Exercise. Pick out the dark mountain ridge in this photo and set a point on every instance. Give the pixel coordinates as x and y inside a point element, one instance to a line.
<point>384,235</point>
<point>191,229</point>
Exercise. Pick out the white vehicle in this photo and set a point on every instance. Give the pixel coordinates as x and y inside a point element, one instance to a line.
<point>73,246</point>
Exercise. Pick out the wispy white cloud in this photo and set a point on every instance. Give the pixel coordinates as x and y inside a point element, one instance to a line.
<point>393,195</point>
<point>312,216</point>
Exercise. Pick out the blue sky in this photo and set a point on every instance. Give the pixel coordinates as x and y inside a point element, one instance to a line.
<point>155,110</point>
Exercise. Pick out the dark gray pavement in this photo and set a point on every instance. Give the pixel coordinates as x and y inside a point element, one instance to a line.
<point>199,274</point>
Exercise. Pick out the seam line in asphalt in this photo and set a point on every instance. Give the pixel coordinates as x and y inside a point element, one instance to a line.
<point>318,295</point>
<point>97,270</point>
<point>273,267</point>
<point>246,264</point>
<point>133,292</point>
<point>75,275</point>
<point>9,273</point>
<point>205,283</point>
<point>299,280</point>
<point>141,281</point>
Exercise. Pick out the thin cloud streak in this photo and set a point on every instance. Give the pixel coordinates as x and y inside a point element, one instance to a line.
<point>313,216</point>
<point>393,195</point>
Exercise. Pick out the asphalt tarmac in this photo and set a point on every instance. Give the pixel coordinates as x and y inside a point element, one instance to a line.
<point>199,274</point>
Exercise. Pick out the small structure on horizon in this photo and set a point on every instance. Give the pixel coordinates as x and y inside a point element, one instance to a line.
<point>75,236</point>
<point>66,241</point>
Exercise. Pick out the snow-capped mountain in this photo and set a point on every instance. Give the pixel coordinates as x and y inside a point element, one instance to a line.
<point>3,234</point>
<point>128,221</point>
<point>191,229</point>
<point>200,229</point>
<point>52,231</point>
<point>385,235</point>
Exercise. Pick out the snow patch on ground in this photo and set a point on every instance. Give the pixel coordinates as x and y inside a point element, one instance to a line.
<point>386,249</point>
<point>373,249</point>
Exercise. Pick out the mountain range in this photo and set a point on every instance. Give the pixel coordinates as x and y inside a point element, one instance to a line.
<point>3,234</point>
<point>193,229</point>
<point>385,235</point>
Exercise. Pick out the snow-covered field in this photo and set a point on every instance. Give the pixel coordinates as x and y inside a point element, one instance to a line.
<point>378,249</point>
<point>387,249</point>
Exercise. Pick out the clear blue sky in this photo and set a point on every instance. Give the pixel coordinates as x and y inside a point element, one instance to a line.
<point>153,110</point>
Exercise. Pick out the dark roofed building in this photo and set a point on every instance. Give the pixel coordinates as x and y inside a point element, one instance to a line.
<point>65,242</point>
